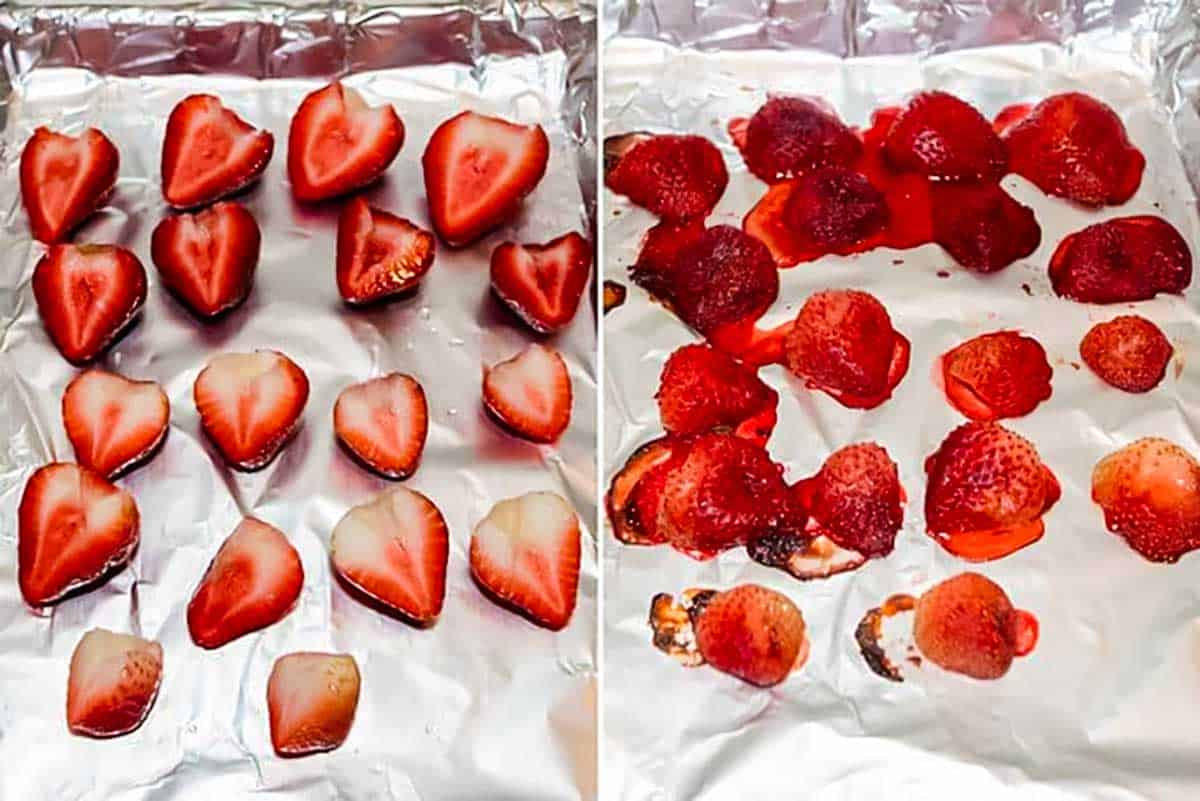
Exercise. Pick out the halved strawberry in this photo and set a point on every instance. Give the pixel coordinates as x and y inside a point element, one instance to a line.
<point>87,295</point>
<point>981,226</point>
<point>75,529</point>
<point>530,393</point>
<point>702,388</point>
<point>789,136</point>
<point>478,169</point>
<point>675,177</point>
<point>855,499</point>
<point>542,284</point>
<point>525,555</point>
<point>252,582</point>
<point>113,423</point>
<point>112,684</point>
<point>753,633</point>
<point>383,422</point>
<point>64,179</point>
<point>394,549</point>
<point>209,152</point>
<point>337,143</point>
<point>721,278</point>
<point>311,701</point>
<point>1128,352</point>
<point>249,404</point>
<point>996,375</point>
<point>832,210</point>
<point>946,138</point>
<point>379,255</point>
<point>208,258</point>
<point>1122,260</point>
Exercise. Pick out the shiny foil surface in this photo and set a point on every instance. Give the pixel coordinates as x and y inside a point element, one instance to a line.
<point>1104,708</point>
<point>482,705</point>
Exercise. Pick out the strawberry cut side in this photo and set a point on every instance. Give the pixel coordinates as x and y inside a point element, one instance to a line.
<point>209,152</point>
<point>379,255</point>
<point>530,394</point>
<point>311,702</point>
<point>64,179</point>
<point>208,259</point>
<point>383,423</point>
<point>112,684</point>
<point>542,284</point>
<point>114,423</point>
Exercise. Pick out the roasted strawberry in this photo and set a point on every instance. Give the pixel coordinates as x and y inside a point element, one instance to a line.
<point>525,555</point>
<point>209,152</point>
<point>75,529</point>
<point>855,499</point>
<point>384,422</point>
<point>1128,352</point>
<point>379,255</point>
<point>87,295</point>
<point>311,701</point>
<point>753,633</point>
<point>393,549</point>
<point>530,394</point>
<point>208,259</point>
<point>628,489</point>
<point>1122,260</point>
<point>833,210</point>
<point>1149,492</point>
<point>674,177</point>
<point>722,278</point>
<point>987,492</point>
<point>997,375</point>
<point>542,284</point>
<point>64,179</point>
<point>112,684</point>
<point>478,169</point>
<point>945,138</point>
<point>249,405</point>
<point>789,136</point>
<point>660,251</point>
<point>113,423</point>
<point>337,143</point>
<point>843,344</point>
<point>702,389</point>
<point>981,226</point>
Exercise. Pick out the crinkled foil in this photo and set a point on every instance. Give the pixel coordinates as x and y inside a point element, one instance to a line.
<point>483,705</point>
<point>1104,708</point>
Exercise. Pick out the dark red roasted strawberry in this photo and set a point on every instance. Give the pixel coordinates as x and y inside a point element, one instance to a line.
<point>629,491</point>
<point>542,284</point>
<point>702,388</point>
<point>209,152</point>
<point>981,226</point>
<point>112,683</point>
<point>311,701</point>
<point>113,423</point>
<point>789,136</point>
<point>530,393</point>
<point>1122,260</point>
<point>833,210</point>
<point>379,255</point>
<point>674,177</point>
<point>384,422</point>
<point>946,138</point>
<point>208,258</point>
<point>997,375</point>
<point>722,278</point>
<point>1128,352</point>
<point>855,499</point>
<point>660,251</point>
<point>64,179</point>
<point>753,633</point>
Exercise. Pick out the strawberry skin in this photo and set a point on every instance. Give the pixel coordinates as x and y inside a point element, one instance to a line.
<point>702,388</point>
<point>64,179</point>
<point>530,394</point>
<point>112,684</point>
<point>981,226</point>
<point>856,499</point>
<point>113,423</point>
<point>941,136</point>
<point>1122,260</point>
<point>209,152</point>
<point>968,625</point>
<point>677,178</point>
<point>379,255</point>
<point>789,136</point>
<point>753,633</point>
<point>208,259</point>
<point>542,284</point>
<point>1128,352</point>
<point>383,423</point>
<point>311,701</point>
<point>997,375</point>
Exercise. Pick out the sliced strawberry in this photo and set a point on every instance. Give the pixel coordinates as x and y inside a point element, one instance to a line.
<point>383,422</point>
<point>832,210</point>
<point>379,255</point>
<point>981,226</point>
<point>753,633</point>
<point>660,251</point>
<point>722,278</point>
<point>1128,352</point>
<point>478,169</point>
<point>87,295</point>
<point>252,582</point>
<point>208,258</point>
<point>530,393</point>
<point>946,138</point>
<point>249,404</point>
<point>311,701</point>
<point>337,143</point>
<point>209,152</point>
<point>112,684</point>
<point>855,499</point>
<point>75,529</point>
<point>542,284</point>
<point>702,388</point>
<point>393,549</point>
<point>64,179</point>
<point>113,423</point>
<point>525,555</point>
<point>677,178</point>
<point>789,136</point>
<point>997,375</point>
<point>1122,260</point>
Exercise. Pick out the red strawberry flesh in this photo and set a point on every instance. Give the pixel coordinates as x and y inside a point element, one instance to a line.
<point>542,284</point>
<point>64,179</point>
<point>113,423</point>
<point>209,152</point>
<point>208,259</point>
<point>676,178</point>
<point>379,255</point>
<point>1122,260</point>
<point>112,684</point>
<point>1128,352</point>
<point>981,226</point>
<point>997,375</point>
<point>530,394</point>
<point>311,702</point>
<point>384,422</point>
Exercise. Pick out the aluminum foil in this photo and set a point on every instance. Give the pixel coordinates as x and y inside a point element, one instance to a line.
<point>1104,707</point>
<point>483,705</point>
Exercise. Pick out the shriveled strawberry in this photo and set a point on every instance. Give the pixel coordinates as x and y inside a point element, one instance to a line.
<point>209,152</point>
<point>64,179</point>
<point>628,488</point>
<point>833,210</point>
<point>525,556</point>
<point>379,255</point>
<point>208,259</point>
<point>674,177</point>
<point>311,701</point>
<point>855,499</point>
<point>722,278</point>
<point>981,226</point>
<point>478,169</point>
<point>249,405</point>
<point>702,388</point>
<point>337,143</point>
<point>530,393</point>
<point>753,633</point>
<point>383,422</point>
<point>946,138</point>
<point>1149,492</point>
<point>660,251</point>
<point>75,529</point>
<point>1073,146</point>
<point>113,423</point>
<point>789,136</point>
<point>996,375</point>
<point>87,295</point>
<point>542,284</point>
<point>843,344</point>
<point>987,492</point>
<point>112,684</point>
<point>1128,352</point>
<point>1122,260</point>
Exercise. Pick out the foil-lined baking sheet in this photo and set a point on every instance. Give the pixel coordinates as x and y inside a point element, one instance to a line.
<point>483,705</point>
<point>1103,709</point>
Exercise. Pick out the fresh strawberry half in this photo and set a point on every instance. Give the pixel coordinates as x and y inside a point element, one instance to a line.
<point>981,226</point>
<point>393,549</point>
<point>337,143</point>
<point>379,255</point>
<point>530,393</point>
<point>997,375</point>
<point>208,259</point>
<point>75,529</point>
<point>249,404</point>
<point>478,169</point>
<point>677,178</point>
<point>112,684</point>
<point>525,555</point>
<point>87,295</point>
<point>1121,261</point>
<point>384,422</point>
<point>789,136</point>
<point>856,499</point>
<point>542,284</point>
<point>702,388</point>
<point>114,423</point>
<point>209,152</point>
<point>252,582</point>
<point>311,701</point>
<point>753,633</point>
<point>1127,352</point>
<point>64,179</point>
<point>946,138</point>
